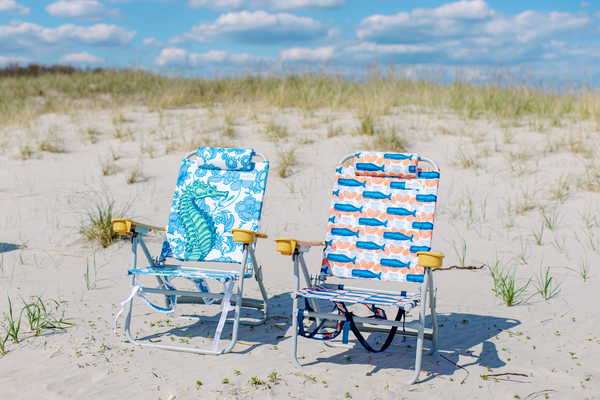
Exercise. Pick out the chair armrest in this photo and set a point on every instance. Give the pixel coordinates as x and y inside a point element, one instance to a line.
<point>288,246</point>
<point>246,236</point>
<point>123,226</point>
<point>430,259</point>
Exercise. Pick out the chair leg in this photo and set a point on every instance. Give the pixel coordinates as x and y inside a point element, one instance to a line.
<point>434,325</point>
<point>295,314</point>
<point>295,335</point>
<point>421,333</point>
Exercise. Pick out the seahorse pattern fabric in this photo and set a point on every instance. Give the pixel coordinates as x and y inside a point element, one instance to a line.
<point>378,223</point>
<point>222,189</point>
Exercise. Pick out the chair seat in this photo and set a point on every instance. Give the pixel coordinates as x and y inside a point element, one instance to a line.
<point>401,300</point>
<point>221,276</point>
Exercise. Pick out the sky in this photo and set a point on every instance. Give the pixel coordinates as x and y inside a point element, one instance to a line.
<point>548,36</point>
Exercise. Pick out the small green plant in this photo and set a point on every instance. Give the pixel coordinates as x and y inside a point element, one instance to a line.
<point>273,376</point>
<point>347,394</point>
<point>236,372</point>
<point>537,234</point>
<point>584,268</point>
<point>3,345</point>
<point>14,325</point>
<point>198,383</point>
<point>461,251</point>
<point>545,284</point>
<point>286,159</point>
<point>255,381</point>
<point>552,219</point>
<point>40,315</point>
<point>507,286</point>
<point>90,281</point>
<point>225,381</point>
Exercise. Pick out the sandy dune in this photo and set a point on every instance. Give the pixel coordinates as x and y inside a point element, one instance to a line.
<point>499,186</point>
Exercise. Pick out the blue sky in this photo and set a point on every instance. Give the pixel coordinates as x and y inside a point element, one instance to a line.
<point>550,36</point>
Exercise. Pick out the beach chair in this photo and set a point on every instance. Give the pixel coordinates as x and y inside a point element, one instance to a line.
<point>215,217</point>
<point>380,229</point>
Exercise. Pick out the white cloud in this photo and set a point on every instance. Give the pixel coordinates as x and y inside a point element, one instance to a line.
<point>467,32</point>
<point>12,6</point>
<point>530,25</point>
<point>176,56</point>
<point>87,10</point>
<point>298,53</point>
<point>153,42</point>
<point>381,49</point>
<point>271,5</point>
<point>81,58</point>
<point>26,36</point>
<point>12,60</point>
<point>450,20</point>
<point>258,27</point>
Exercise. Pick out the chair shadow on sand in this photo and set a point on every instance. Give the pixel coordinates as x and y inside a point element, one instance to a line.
<point>458,334</point>
<point>6,247</point>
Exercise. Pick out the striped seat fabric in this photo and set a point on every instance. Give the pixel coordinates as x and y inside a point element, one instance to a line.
<point>340,295</point>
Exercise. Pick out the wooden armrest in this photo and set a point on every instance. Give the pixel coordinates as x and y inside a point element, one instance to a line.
<point>430,259</point>
<point>246,236</point>
<point>123,226</point>
<point>288,246</point>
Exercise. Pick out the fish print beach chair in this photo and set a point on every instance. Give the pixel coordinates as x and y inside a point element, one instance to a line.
<point>215,217</point>
<point>380,229</point>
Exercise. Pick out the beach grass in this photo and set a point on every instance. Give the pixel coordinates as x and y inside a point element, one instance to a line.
<point>24,97</point>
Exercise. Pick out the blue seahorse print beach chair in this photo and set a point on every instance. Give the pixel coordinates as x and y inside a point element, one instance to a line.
<point>379,229</point>
<point>215,217</point>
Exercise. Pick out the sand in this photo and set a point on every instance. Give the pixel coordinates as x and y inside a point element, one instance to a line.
<point>498,182</point>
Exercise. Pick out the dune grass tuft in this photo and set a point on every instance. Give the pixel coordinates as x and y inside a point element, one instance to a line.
<point>286,159</point>
<point>99,210</point>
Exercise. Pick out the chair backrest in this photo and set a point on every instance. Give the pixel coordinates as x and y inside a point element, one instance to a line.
<point>220,190</point>
<point>382,214</point>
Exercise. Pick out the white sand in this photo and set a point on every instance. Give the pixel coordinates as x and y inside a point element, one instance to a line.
<point>554,343</point>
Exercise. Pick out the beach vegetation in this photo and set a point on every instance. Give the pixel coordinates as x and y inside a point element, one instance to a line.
<point>100,208</point>
<point>27,95</point>
<point>584,268</point>
<point>41,315</point>
<point>13,323</point>
<point>286,160</point>
<point>275,131</point>
<point>387,139</point>
<point>508,287</point>
<point>545,284</point>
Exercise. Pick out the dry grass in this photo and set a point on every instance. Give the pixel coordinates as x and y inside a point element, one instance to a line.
<point>100,208</point>
<point>23,98</point>
<point>286,159</point>
<point>387,139</point>
<point>275,132</point>
<point>53,143</point>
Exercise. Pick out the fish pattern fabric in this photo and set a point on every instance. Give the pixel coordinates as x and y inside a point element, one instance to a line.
<point>208,203</point>
<point>378,224</point>
<point>399,165</point>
